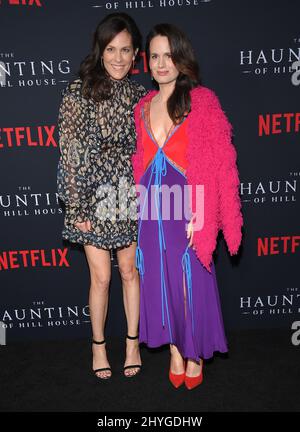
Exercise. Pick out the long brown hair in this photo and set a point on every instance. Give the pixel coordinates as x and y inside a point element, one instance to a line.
<point>183,57</point>
<point>95,82</point>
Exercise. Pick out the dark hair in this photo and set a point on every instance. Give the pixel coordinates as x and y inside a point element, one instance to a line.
<point>95,82</point>
<point>183,57</point>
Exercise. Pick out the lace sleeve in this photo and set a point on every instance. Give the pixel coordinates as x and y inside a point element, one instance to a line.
<point>73,162</point>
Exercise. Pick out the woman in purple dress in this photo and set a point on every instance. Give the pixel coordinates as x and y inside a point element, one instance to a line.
<point>185,166</point>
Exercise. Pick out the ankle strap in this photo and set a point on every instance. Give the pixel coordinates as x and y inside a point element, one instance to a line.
<point>132,337</point>
<point>99,343</point>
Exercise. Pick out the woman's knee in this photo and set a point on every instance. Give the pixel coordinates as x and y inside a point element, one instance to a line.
<point>100,282</point>
<point>128,272</point>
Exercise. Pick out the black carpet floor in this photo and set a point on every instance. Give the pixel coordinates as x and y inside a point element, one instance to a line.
<point>261,373</point>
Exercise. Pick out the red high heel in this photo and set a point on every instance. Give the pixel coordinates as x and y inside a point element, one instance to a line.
<point>176,379</point>
<point>192,382</point>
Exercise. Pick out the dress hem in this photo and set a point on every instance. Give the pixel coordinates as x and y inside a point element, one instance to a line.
<point>87,242</point>
<point>201,355</point>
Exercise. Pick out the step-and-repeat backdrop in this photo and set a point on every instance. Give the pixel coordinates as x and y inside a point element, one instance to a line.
<point>249,55</point>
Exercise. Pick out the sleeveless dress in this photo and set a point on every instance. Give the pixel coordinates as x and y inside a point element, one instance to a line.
<point>179,298</point>
<point>95,176</point>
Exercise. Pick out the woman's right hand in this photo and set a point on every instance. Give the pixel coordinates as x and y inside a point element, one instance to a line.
<point>84,226</point>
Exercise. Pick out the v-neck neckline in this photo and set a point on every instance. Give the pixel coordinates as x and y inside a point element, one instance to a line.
<point>169,134</point>
<point>147,121</point>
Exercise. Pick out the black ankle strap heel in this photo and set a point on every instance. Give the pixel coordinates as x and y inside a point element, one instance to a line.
<point>101,369</point>
<point>137,366</point>
<point>98,343</point>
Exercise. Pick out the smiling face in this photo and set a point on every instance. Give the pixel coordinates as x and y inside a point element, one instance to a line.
<point>118,55</point>
<point>160,61</point>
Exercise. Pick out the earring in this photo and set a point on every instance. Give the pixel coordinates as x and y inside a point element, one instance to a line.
<point>133,65</point>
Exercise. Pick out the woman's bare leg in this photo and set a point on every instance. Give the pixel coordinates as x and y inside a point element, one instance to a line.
<point>131,299</point>
<point>100,273</point>
<point>193,368</point>
<point>177,361</point>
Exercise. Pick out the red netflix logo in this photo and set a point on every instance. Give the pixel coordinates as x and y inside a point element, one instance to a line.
<point>136,71</point>
<point>277,245</point>
<point>23,2</point>
<point>11,260</point>
<point>272,124</point>
<point>39,136</point>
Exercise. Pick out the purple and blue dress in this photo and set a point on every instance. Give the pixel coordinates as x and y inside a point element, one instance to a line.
<point>179,298</point>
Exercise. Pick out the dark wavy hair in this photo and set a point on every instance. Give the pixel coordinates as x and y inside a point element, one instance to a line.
<point>183,57</point>
<point>95,82</point>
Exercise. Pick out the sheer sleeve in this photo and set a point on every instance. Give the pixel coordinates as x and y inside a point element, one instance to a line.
<point>73,162</point>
